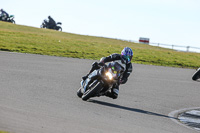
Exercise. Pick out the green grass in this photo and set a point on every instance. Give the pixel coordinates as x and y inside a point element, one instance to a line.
<point>24,39</point>
<point>3,132</point>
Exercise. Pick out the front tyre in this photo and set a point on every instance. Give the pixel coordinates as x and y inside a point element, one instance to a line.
<point>79,93</point>
<point>196,75</point>
<point>92,91</point>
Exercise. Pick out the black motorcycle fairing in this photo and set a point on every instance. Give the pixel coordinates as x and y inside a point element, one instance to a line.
<point>91,77</point>
<point>100,81</point>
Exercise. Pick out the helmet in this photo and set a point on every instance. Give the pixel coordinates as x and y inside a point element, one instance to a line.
<point>127,54</point>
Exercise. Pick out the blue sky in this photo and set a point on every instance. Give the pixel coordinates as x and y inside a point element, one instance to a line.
<point>163,21</point>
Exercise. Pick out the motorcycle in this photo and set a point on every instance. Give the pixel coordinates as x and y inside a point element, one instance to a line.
<point>100,81</point>
<point>196,75</point>
<point>45,24</point>
<point>9,19</point>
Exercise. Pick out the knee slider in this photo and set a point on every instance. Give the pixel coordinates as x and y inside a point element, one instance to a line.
<point>94,64</point>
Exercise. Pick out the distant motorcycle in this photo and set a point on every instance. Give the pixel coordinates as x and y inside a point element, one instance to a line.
<point>102,83</point>
<point>196,75</point>
<point>9,19</point>
<point>45,24</point>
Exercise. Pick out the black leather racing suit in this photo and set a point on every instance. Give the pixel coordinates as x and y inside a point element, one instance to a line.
<point>52,23</point>
<point>128,69</point>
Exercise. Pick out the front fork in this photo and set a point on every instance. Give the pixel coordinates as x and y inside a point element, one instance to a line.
<point>85,84</point>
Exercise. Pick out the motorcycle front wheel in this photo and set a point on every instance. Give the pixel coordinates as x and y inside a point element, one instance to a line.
<point>94,89</point>
<point>79,93</point>
<point>196,75</point>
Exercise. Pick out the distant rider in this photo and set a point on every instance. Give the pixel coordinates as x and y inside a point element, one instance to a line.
<point>4,15</point>
<point>124,59</point>
<point>51,23</point>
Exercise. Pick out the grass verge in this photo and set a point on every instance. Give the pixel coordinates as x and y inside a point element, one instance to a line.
<point>3,132</point>
<point>24,39</point>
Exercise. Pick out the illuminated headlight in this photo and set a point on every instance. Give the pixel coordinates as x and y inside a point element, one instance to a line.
<point>109,75</point>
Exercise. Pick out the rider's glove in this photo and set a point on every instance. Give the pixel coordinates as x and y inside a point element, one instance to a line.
<point>101,63</point>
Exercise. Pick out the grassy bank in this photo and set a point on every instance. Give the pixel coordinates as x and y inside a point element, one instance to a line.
<point>25,39</point>
<point>3,132</point>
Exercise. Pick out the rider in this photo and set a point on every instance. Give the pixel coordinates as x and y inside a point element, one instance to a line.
<point>4,15</point>
<point>124,59</point>
<point>51,23</point>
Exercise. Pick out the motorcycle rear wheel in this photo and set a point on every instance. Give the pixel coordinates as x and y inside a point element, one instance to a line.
<point>92,91</point>
<point>13,21</point>
<point>58,28</point>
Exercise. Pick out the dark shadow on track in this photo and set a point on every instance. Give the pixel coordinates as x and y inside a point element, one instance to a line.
<point>128,108</point>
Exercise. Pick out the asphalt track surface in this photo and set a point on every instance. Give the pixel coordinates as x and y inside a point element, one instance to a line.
<point>38,95</point>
